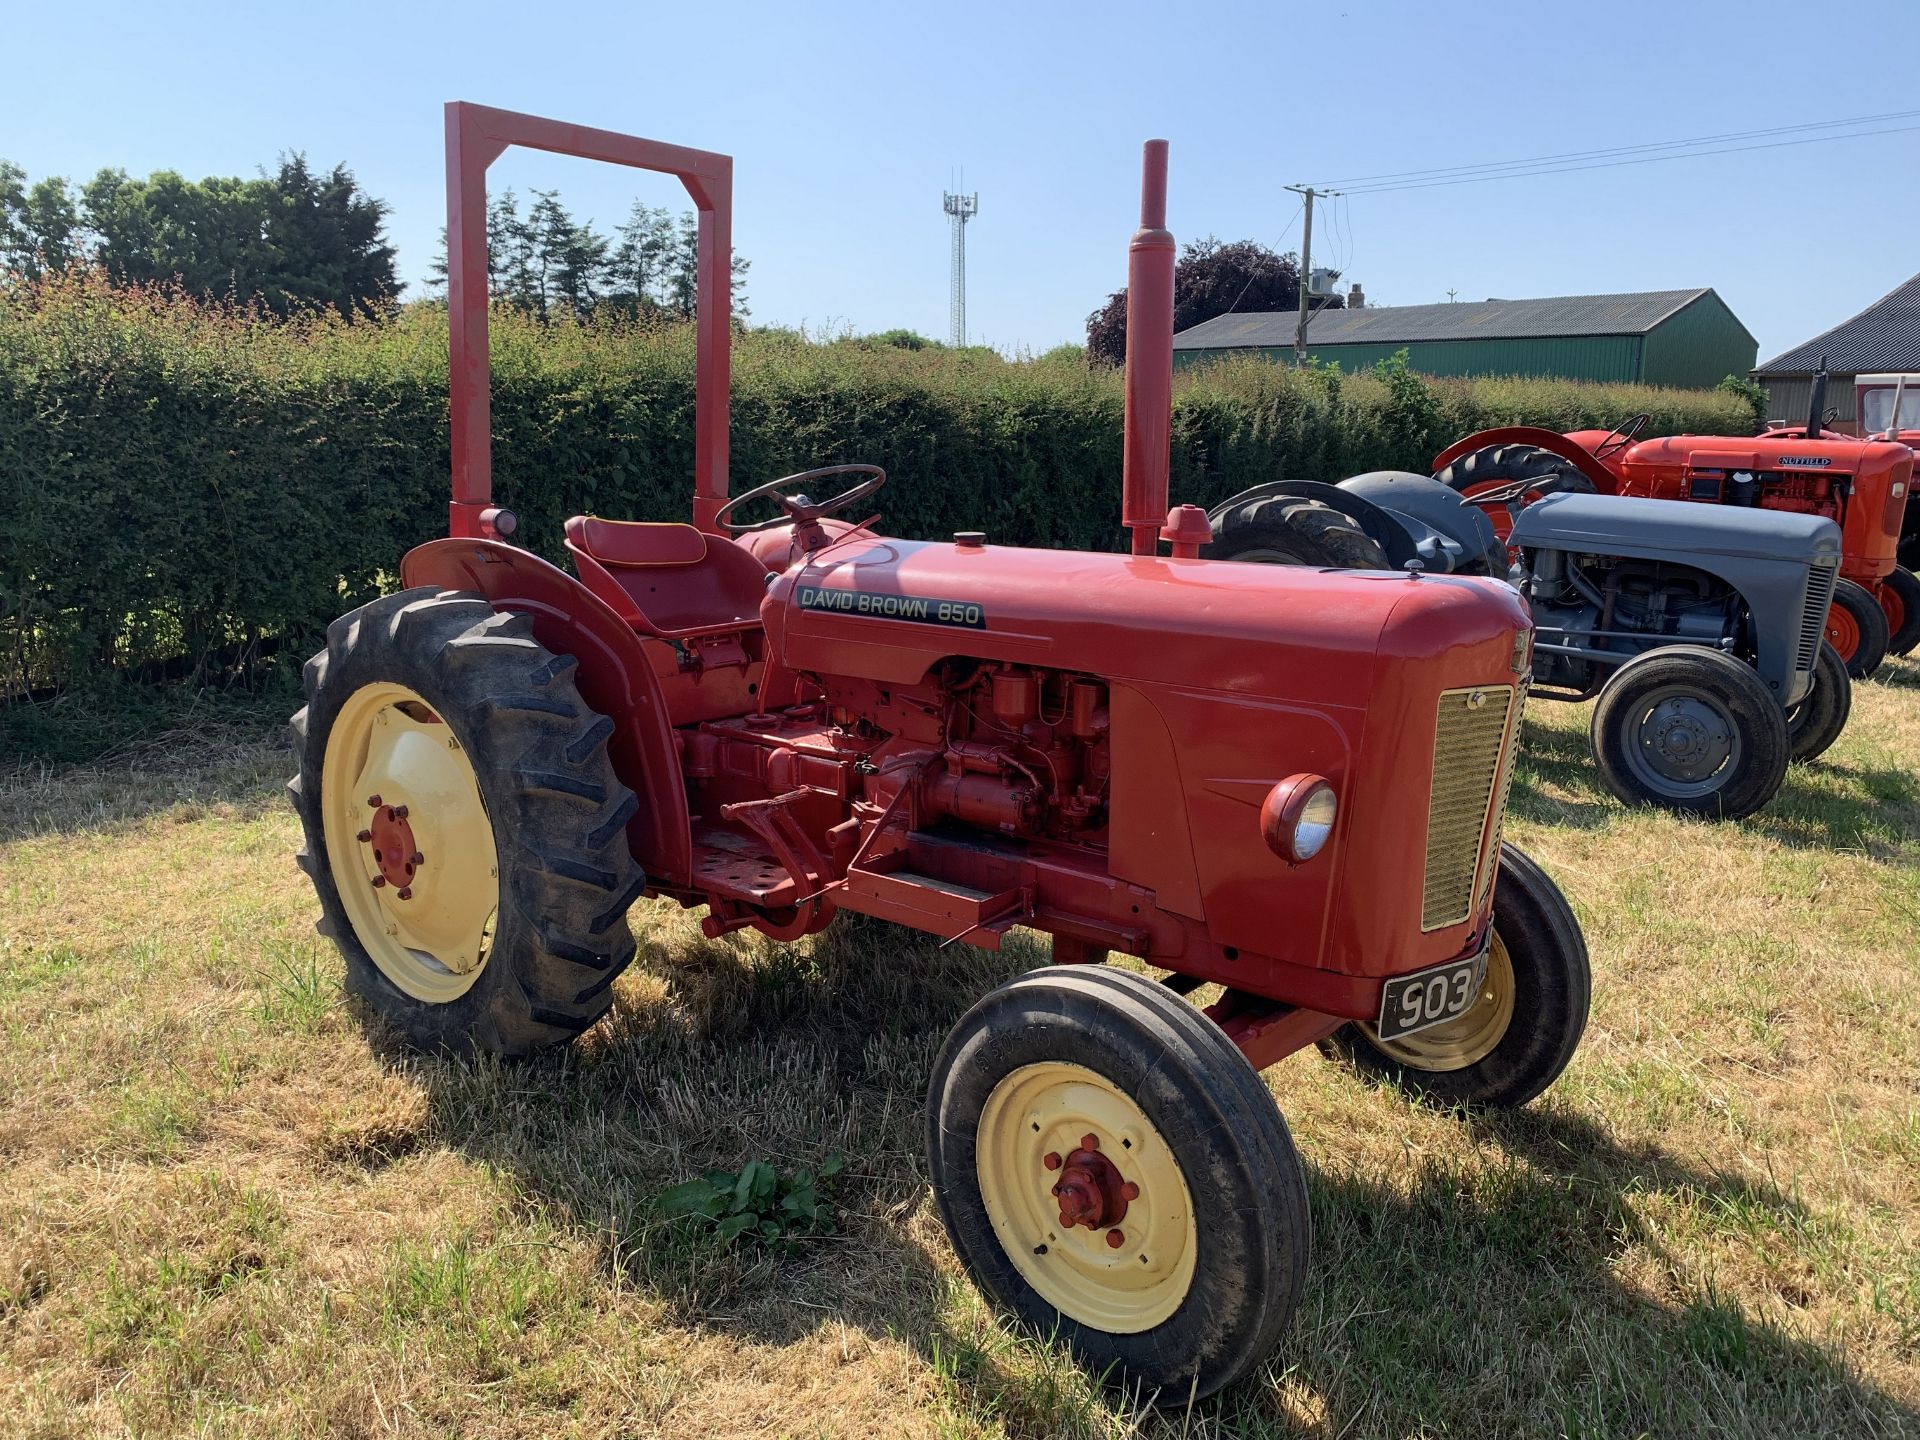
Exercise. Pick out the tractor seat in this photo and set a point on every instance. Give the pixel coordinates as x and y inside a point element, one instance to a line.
<point>669,581</point>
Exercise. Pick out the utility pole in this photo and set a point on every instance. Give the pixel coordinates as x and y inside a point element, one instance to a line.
<point>960,209</point>
<point>1307,193</point>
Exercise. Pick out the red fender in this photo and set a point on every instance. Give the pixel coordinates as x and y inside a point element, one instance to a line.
<point>1604,480</point>
<point>614,677</point>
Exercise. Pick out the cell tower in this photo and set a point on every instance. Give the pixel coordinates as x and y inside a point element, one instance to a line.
<point>960,209</point>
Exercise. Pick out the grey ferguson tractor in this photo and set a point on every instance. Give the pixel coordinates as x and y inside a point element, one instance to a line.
<point>1700,631</point>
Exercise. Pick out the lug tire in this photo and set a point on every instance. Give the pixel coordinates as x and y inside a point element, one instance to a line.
<point>1900,600</point>
<point>1711,679</point>
<point>1858,629</point>
<point>1816,722</point>
<point>1552,993</point>
<point>558,812</point>
<point>1501,465</point>
<point>1250,1221</point>
<point>1286,530</point>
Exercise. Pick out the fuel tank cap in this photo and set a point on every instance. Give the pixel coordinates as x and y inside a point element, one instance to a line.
<point>970,539</point>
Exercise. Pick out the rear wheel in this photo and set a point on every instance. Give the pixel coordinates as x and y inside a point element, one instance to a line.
<point>1525,1026</point>
<point>1113,1172</point>
<point>1286,530</point>
<point>1692,730</point>
<point>463,827</point>
<point>1494,465</point>
<point>1816,722</point>
<point>1857,628</point>
<point>1900,600</point>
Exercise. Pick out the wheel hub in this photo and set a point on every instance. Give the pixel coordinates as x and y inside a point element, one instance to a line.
<point>395,854</point>
<point>1091,1190</point>
<point>1686,739</point>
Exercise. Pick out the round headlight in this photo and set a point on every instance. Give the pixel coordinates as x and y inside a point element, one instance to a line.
<point>1297,817</point>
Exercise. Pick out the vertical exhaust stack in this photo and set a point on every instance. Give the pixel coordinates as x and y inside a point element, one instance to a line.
<point>1149,413</point>
<point>1817,402</point>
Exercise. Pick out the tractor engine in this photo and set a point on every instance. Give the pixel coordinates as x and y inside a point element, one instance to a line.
<point>1625,603</point>
<point>1006,748</point>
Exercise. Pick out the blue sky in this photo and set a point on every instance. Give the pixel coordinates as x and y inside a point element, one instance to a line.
<point>848,120</point>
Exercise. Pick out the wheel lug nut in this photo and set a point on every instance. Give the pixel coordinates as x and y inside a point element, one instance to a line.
<point>1051,1160</point>
<point>379,881</point>
<point>1089,1142</point>
<point>374,801</point>
<point>399,812</point>
<point>406,892</point>
<point>364,836</point>
<point>418,859</point>
<point>1115,1239</point>
<point>1129,1191</point>
<point>1056,1189</point>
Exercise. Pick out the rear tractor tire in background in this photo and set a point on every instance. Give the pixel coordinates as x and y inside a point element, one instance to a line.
<point>1286,530</point>
<point>1527,1023</point>
<point>1113,1172</point>
<point>1692,730</point>
<point>1900,599</point>
<point>1816,722</point>
<point>1857,627</point>
<point>1494,465</point>
<point>463,826</point>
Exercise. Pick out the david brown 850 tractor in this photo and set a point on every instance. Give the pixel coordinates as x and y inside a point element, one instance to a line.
<point>1283,783</point>
<point>1861,485</point>
<point>1698,629</point>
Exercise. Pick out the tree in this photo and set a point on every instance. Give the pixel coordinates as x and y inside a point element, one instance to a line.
<point>1209,279</point>
<point>39,224</point>
<point>290,240</point>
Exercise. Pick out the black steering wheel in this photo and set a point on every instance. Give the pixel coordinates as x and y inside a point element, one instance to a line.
<point>797,509</point>
<point>1626,430</point>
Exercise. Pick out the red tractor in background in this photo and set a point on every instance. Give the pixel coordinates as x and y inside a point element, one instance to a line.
<point>1861,485</point>
<point>1284,785</point>
<point>1887,407</point>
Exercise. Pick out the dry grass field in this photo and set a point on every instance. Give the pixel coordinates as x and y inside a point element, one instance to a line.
<point>229,1206</point>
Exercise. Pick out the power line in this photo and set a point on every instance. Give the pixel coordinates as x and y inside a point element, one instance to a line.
<point>1621,150</point>
<point>1616,164</point>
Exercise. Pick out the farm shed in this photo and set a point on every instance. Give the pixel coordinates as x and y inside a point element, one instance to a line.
<point>1884,337</point>
<point>1658,337</point>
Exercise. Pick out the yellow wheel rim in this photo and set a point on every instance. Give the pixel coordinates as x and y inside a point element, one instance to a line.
<point>1119,1285</point>
<point>1467,1038</point>
<point>395,772</point>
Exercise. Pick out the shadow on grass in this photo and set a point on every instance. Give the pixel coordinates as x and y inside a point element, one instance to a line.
<point>1483,1295</point>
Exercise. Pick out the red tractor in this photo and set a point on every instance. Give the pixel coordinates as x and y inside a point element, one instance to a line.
<point>1859,484</point>
<point>1282,784</point>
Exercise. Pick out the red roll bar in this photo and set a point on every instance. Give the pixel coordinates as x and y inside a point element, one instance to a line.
<point>477,135</point>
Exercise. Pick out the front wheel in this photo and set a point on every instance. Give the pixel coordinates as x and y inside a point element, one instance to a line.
<point>1816,722</point>
<point>1857,628</point>
<point>1692,730</point>
<point>1113,1172</point>
<point>465,832</point>
<point>1519,1035</point>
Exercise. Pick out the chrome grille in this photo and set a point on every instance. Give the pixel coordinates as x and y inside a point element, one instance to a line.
<point>1813,620</point>
<point>1469,762</point>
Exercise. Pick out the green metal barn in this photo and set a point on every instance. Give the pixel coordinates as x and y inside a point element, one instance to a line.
<point>1686,338</point>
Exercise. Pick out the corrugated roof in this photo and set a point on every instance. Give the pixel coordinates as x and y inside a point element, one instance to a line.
<point>1569,315</point>
<point>1884,336</point>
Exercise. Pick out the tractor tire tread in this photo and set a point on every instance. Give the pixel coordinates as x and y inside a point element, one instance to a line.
<point>567,876</point>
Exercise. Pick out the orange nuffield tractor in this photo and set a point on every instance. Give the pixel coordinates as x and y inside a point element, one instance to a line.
<point>1283,783</point>
<point>1861,485</point>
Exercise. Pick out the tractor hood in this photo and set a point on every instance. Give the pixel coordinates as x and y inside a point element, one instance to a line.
<point>1620,525</point>
<point>889,609</point>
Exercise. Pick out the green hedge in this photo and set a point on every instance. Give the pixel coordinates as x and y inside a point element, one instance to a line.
<point>183,485</point>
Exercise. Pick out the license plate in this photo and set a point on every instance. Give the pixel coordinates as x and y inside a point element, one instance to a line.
<point>1428,997</point>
